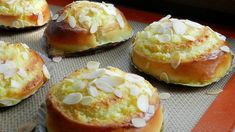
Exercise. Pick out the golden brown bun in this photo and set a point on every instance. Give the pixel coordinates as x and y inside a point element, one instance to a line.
<point>197,63</point>
<point>106,111</point>
<point>63,38</point>
<point>28,73</point>
<point>34,14</point>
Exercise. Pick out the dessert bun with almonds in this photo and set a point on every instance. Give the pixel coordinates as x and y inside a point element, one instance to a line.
<point>22,73</point>
<point>95,99</point>
<point>84,26</point>
<point>181,52</point>
<point>19,14</point>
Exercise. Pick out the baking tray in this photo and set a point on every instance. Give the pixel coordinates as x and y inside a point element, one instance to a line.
<point>182,110</point>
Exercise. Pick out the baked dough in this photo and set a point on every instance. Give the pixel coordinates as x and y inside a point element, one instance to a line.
<point>23,13</point>
<point>181,52</point>
<point>85,26</point>
<point>96,99</point>
<point>22,73</point>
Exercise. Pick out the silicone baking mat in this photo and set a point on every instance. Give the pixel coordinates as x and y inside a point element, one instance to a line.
<point>182,110</point>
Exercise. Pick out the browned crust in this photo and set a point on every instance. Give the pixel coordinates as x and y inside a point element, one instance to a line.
<point>198,72</point>
<point>58,122</point>
<point>7,20</point>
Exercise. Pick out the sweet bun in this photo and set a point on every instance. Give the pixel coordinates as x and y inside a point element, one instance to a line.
<point>22,73</point>
<point>181,52</point>
<point>84,26</point>
<point>23,13</point>
<point>96,99</point>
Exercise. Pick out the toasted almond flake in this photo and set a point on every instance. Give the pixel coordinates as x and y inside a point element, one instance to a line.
<point>73,98</point>
<point>46,72</point>
<point>15,84</point>
<point>92,91</point>
<point>134,78</point>
<point>164,77</point>
<point>213,55</point>
<point>25,55</point>
<point>143,103</point>
<point>57,59</point>
<point>165,18</point>
<point>220,36</point>
<point>78,84</point>
<point>94,27</point>
<point>225,49</point>
<point>147,116</point>
<point>22,72</point>
<point>86,100</point>
<point>193,24</point>
<point>55,17</point>
<point>188,37</point>
<point>179,27</point>
<point>120,21</point>
<point>135,91</point>
<point>93,65</point>
<point>214,92</point>
<point>72,22</point>
<point>163,38</point>
<point>148,91</point>
<point>138,122</point>
<point>112,80</point>
<point>111,73</point>
<point>118,93</point>
<point>25,46</point>
<point>151,109</point>
<point>104,86</point>
<point>61,17</point>
<point>175,60</point>
<point>40,18</point>
<point>93,74</point>
<point>164,95</point>
<point>8,69</point>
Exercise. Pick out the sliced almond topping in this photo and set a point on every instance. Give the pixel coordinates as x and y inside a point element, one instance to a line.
<point>188,37</point>
<point>72,22</point>
<point>46,72</point>
<point>165,18</point>
<point>225,49</point>
<point>164,77</point>
<point>62,17</point>
<point>134,78</point>
<point>10,2</point>
<point>55,17</point>
<point>79,84</point>
<point>92,91</point>
<point>118,93</point>
<point>138,122</point>
<point>120,21</point>
<point>135,91</point>
<point>25,46</point>
<point>93,65</point>
<point>148,91</point>
<point>111,73</point>
<point>163,38</point>
<point>164,95</point>
<point>73,98</point>
<point>104,86</point>
<point>147,116</point>
<point>193,24</point>
<point>22,72</point>
<point>57,59</point>
<point>94,27</point>
<point>214,92</point>
<point>40,18</point>
<point>179,27</point>
<point>15,84</point>
<point>143,103</point>
<point>151,109</point>
<point>25,55</point>
<point>94,74</point>
<point>87,100</point>
<point>175,59</point>
<point>112,80</point>
<point>220,36</point>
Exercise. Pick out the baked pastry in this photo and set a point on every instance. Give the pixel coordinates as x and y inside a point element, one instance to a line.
<point>22,73</point>
<point>96,99</point>
<point>84,26</point>
<point>181,52</point>
<point>23,13</point>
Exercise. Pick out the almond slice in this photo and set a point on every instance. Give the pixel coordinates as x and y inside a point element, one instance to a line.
<point>118,93</point>
<point>73,98</point>
<point>165,18</point>
<point>94,74</point>
<point>179,27</point>
<point>94,27</point>
<point>151,109</point>
<point>111,73</point>
<point>143,103</point>
<point>72,22</point>
<point>46,72</point>
<point>188,37</point>
<point>22,72</point>
<point>120,21</point>
<point>214,92</point>
<point>138,122</point>
<point>15,84</point>
<point>220,36</point>
<point>164,95</point>
<point>25,55</point>
<point>193,24</point>
<point>147,116</point>
<point>92,91</point>
<point>225,49</point>
<point>62,17</point>
<point>104,86</point>
<point>135,91</point>
<point>175,60</point>
<point>40,18</point>
<point>25,46</point>
<point>93,65</point>
<point>78,84</point>
<point>164,77</point>
<point>86,100</point>
<point>55,17</point>
<point>112,80</point>
<point>134,78</point>
<point>57,59</point>
<point>163,38</point>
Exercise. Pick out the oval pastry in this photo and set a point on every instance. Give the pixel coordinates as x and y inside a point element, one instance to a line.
<point>181,52</point>
<point>22,73</point>
<point>23,13</point>
<point>96,99</point>
<point>84,26</point>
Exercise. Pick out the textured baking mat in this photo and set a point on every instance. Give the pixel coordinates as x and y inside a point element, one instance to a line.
<point>183,109</point>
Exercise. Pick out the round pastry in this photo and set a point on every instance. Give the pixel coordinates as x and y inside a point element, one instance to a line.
<point>22,73</point>
<point>23,13</point>
<point>181,52</point>
<point>96,99</point>
<point>86,26</point>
